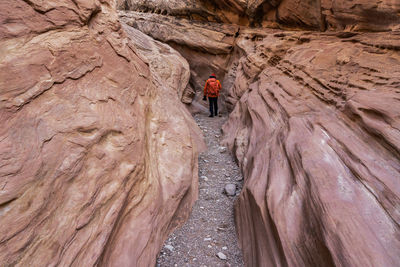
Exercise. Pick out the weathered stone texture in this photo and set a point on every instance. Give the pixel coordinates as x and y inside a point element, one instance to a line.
<point>314,126</point>
<point>98,159</point>
<point>164,61</point>
<point>315,129</point>
<point>361,15</point>
<point>206,46</point>
<point>358,15</point>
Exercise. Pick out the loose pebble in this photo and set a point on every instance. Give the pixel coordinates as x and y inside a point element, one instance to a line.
<point>205,178</point>
<point>169,247</point>
<point>221,255</point>
<point>230,189</point>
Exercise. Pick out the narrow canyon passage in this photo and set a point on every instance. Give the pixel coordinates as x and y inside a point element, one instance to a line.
<point>209,238</point>
<point>99,151</point>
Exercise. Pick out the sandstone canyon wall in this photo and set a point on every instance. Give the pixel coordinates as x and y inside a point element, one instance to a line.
<point>98,159</point>
<point>315,122</point>
<point>191,27</point>
<point>316,132</point>
<point>365,15</point>
<point>206,46</point>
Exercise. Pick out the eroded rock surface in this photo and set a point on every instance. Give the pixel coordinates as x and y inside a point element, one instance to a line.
<point>204,32</point>
<point>165,62</point>
<point>363,15</point>
<point>314,127</point>
<point>316,131</point>
<point>206,46</point>
<point>98,159</point>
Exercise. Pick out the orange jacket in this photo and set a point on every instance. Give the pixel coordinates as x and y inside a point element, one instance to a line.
<point>208,91</point>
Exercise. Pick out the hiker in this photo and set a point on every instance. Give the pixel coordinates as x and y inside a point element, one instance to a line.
<point>211,90</point>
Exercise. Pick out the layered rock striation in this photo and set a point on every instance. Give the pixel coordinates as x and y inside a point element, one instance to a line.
<point>206,46</point>
<point>358,15</point>
<point>205,33</point>
<point>314,123</point>
<point>315,129</point>
<point>98,158</point>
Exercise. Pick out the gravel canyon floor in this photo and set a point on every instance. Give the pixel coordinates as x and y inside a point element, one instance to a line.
<point>209,235</point>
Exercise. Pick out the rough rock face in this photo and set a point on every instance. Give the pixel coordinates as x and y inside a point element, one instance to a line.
<point>316,130</point>
<point>314,127</point>
<point>98,160</point>
<point>206,46</point>
<point>361,15</point>
<point>167,63</point>
<point>364,15</point>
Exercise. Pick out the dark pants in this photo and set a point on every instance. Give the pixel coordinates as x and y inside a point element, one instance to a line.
<point>213,105</point>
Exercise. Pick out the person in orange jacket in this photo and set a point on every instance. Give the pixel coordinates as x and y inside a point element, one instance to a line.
<point>211,90</point>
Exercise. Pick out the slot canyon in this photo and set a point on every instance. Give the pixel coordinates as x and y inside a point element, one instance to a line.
<point>99,150</point>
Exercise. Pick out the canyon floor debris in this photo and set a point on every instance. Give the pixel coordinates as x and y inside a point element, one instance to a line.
<point>209,236</point>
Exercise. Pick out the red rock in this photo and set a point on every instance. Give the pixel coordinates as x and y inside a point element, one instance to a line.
<point>359,15</point>
<point>314,127</point>
<point>98,159</point>
<point>207,47</point>
<point>316,137</point>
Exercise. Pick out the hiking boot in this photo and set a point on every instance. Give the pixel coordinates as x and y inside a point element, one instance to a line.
<point>211,116</point>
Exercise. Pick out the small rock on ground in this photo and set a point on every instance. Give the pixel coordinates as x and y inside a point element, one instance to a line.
<point>221,255</point>
<point>230,189</point>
